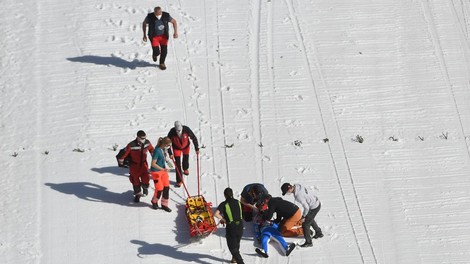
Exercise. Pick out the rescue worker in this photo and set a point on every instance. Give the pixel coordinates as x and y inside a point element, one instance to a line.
<point>160,174</point>
<point>138,169</point>
<point>249,197</point>
<point>287,215</point>
<point>158,33</point>
<point>264,231</point>
<point>180,136</point>
<point>229,212</point>
<point>311,205</point>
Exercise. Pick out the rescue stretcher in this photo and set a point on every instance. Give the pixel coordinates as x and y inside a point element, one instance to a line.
<point>199,215</point>
<point>198,211</point>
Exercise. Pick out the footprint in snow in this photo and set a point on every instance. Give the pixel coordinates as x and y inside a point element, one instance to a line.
<point>160,109</point>
<point>293,123</point>
<point>293,73</point>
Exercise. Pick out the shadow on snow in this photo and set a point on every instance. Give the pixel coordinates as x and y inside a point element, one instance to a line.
<point>112,170</point>
<point>95,193</point>
<point>112,61</point>
<point>173,252</point>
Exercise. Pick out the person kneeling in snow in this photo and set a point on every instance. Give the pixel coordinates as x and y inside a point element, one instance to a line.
<point>264,230</point>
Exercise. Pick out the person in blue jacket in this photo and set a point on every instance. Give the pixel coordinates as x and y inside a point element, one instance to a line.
<point>264,231</point>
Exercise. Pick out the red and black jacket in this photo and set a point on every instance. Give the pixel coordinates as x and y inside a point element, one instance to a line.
<point>138,152</point>
<point>182,142</point>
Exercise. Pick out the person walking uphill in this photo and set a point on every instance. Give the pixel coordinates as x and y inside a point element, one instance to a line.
<point>158,33</point>
<point>138,169</point>
<point>180,136</point>
<point>160,174</point>
<point>311,205</point>
<point>229,212</point>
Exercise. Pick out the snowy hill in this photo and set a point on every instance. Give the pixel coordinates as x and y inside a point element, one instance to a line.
<point>365,102</point>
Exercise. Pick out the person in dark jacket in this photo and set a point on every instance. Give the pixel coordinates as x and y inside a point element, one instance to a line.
<point>180,136</point>
<point>249,197</point>
<point>229,212</point>
<point>138,169</point>
<point>287,214</point>
<point>158,33</point>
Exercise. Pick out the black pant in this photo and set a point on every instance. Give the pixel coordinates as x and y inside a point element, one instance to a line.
<point>310,222</point>
<point>162,51</point>
<point>178,166</point>
<point>233,235</point>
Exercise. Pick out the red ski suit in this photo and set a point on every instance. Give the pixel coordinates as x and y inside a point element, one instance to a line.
<point>138,169</point>
<point>181,145</point>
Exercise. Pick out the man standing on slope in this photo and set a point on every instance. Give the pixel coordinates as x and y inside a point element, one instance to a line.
<point>158,33</point>
<point>180,136</point>
<point>138,169</point>
<point>229,212</point>
<point>311,205</point>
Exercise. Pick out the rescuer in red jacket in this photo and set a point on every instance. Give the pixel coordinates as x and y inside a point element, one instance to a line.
<point>138,168</point>
<point>180,136</point>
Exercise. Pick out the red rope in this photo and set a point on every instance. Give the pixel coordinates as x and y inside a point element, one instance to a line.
<point>180,175</point>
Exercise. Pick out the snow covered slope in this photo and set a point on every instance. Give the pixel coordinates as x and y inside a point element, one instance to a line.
<point>365,102</point>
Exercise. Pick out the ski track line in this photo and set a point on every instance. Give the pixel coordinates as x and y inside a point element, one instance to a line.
<point>191,70</point>
<point>300,38</point>
<point>272,83</point>
<point>464,38</point>
<point>271,75</point>
<point>209,101</point>
<point>428,16</point>
<point>255,85</point>
<point>221,99</point>
<point>39,131</point>
<point>180,86</point>
<point>222,96</point>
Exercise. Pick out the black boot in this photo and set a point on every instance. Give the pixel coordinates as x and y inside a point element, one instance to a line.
<point>290,248</point>
<point>306,244</point>
<point>166,208</point>
<point>318,235</point>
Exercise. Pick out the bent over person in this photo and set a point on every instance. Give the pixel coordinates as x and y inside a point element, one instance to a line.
<point>311,205</point>
<point>158,33</point>
<point>138,168</point>
<point>287,214</point>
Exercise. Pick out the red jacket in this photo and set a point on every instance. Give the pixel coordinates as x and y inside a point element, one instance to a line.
<point>183,142</point>
<point>138,153</point>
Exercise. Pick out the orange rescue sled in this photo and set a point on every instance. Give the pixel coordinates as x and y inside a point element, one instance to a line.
<point>200,219</point>
<point>198,211</point>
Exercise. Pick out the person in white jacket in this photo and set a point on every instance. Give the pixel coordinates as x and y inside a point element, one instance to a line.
<point>311,206</point>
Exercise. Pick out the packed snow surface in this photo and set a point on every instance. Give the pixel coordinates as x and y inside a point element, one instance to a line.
<point>367,103</point>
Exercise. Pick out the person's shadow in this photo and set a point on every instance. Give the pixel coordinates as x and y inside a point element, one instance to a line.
<point>173,252</point>
<point>112,61</point>
<point>95,193</point>
<point>112,170</point>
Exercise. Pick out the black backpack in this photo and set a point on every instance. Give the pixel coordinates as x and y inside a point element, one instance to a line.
<point>127,160</point>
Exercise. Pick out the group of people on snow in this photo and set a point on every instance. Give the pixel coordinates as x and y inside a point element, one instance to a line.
<point>257,205</point>
<point>173,147</point>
